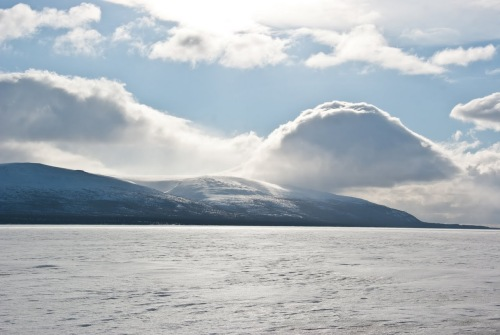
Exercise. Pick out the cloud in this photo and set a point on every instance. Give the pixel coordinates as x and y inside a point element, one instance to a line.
<point>253,50</point>
<point>423,18</point>
<point>470,197</point>
<point>463,57</point>
<point>139,34</point>
<point>216,32</point>
<point>493,72</point>
<point>488,4</point>
<point>430,22</point>
<point>430,36</point>
<point>483,112</point>
<point>98,123</point>
<point>127,31</point>
<point>334,145</point>
<point>366,44</point>
<point>316,14</point>
<point>21,21</point>
<point>259,33</point>
<point>340,144</point>
<point>27,151</point>
<point>237,50</point>
<point>188,45</point>
<point>79,41</point>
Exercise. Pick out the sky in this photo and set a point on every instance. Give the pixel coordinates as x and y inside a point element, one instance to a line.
<point>394,102</point>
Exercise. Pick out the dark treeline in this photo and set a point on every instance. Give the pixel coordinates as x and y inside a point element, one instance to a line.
<point>33,219</point>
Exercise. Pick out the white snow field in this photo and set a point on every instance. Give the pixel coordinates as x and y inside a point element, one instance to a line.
<point>248,280</point>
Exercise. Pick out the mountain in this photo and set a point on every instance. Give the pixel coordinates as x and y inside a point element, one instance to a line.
<point>36,193</point>
<point>264,202</point>
<point>257,202</point>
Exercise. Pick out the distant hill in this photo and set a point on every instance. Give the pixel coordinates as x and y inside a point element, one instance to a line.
<point>36,193</point>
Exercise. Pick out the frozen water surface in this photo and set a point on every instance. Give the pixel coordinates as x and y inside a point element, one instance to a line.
<point>246,280</point>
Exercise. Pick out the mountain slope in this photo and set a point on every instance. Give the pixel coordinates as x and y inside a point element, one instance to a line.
<point>36,189</point>
<point>268,202</point>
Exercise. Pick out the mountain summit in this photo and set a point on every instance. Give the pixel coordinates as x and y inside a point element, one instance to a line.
<point>260,201</point>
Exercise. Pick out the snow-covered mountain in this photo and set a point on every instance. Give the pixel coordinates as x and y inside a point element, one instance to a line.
<point>260,201</point>
<point>38,190</point>
<point>36,193</point>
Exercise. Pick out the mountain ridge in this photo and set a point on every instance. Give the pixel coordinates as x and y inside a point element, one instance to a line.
<point>32,192</point>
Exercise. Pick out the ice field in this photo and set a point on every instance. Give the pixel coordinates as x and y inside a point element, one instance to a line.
<point>248,280</point>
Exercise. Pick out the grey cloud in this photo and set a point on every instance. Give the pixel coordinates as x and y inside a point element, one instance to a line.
<point>470,197</point>
<point>98,123</point>
<point>32,110</point>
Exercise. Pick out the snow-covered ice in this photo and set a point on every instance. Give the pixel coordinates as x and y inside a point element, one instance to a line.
<point>248,280</point>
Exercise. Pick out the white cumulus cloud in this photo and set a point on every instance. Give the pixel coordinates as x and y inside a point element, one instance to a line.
<point>236,50</point>
<point>483,112</point>
<point>79,41</point>
<point>188,45</point>
<point>22,21</point>
<point>340,144</point>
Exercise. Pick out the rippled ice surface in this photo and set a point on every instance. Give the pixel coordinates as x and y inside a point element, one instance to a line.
<point>219,280</point>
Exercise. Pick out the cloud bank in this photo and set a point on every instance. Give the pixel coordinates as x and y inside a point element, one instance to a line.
<point>97,123</point>
<point>261,33</point>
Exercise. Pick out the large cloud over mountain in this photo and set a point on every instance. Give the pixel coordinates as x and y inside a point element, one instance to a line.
<point>340,144</point>
<point>98,122</point>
